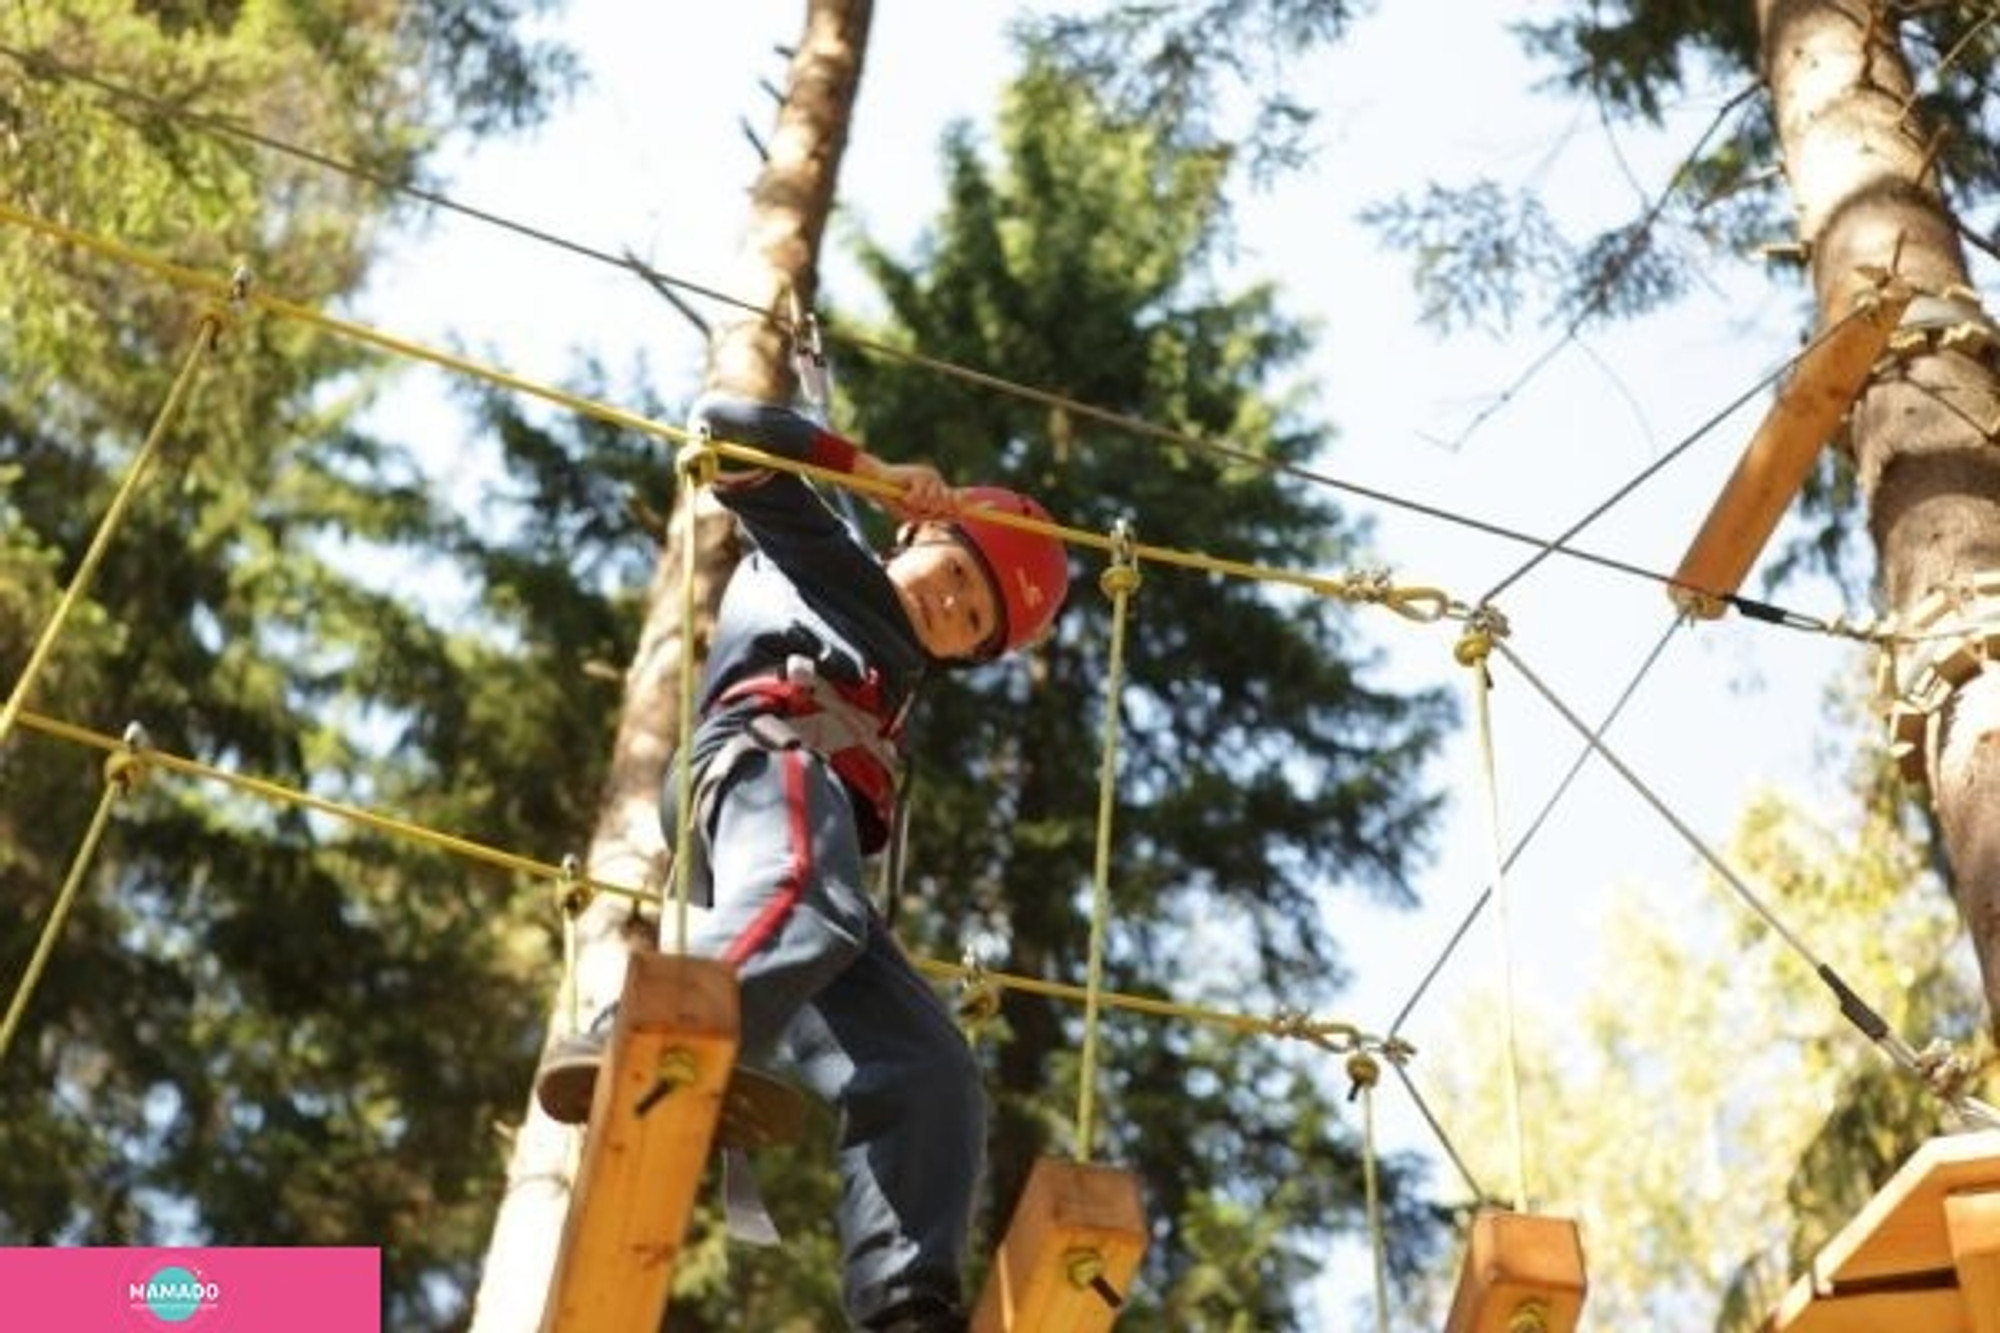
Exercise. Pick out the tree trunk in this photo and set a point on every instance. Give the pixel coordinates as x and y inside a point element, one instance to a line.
<point>1924,431</point>
<point>790,204</point>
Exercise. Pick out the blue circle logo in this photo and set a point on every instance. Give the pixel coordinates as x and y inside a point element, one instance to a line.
<point>175,1295</point>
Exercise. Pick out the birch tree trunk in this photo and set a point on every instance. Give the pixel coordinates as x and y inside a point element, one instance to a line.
<point>790,203</point>
<point>1924,431</point>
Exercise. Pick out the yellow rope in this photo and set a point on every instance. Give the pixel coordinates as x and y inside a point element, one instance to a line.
<point>1415,603</point>
<point>1332,1034</point>
<point>123,770</point>
<point>354,814</point>
<point>1420,604</point>
<point>1119,581</point>
<point>1363,1073</point>
<point>114,517</point>
<point>1472,652</point>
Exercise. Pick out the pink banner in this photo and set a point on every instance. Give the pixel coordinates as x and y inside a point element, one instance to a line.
<point>212,1289</point>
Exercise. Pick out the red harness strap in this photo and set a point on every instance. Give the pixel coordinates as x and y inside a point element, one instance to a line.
<point>844,725</point>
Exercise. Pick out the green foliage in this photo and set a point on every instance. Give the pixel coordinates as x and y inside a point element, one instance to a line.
<point>1171,67</point>
<point>252,1030</point>
<point>1633,54</point>
<point>1480,253</point>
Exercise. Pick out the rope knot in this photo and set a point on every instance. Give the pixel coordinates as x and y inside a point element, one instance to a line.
<point>1290,1022</point>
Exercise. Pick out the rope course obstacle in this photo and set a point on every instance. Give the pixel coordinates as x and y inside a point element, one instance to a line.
<point>1079,1235</point>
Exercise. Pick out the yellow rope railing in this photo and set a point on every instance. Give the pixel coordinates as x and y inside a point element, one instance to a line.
<point>123,770</point>
<point>1420,604</point>
<point>1119,581</point>
<point>1473,650</point>
<point>114,516</point>
<point>1330,1034</point>
<point>375,821</point>
<point>1363,1073</point>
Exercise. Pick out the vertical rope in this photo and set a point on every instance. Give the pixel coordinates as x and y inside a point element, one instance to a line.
<point>123,771</point>
<point>207,334</point>
<point>572,898</point>
<point>1119,581</point>
<point>1472,651</point>
<point>696,466</point>
<point>1363,1073</point>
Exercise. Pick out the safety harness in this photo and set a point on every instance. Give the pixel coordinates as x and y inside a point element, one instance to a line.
<point>844,724</point>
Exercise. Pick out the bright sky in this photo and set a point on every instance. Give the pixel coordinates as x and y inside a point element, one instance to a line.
<point>652,159</point>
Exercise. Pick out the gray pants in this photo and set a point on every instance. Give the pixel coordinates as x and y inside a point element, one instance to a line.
<point>826,989</point>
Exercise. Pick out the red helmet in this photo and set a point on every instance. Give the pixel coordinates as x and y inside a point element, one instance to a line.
<point>1029,570</point>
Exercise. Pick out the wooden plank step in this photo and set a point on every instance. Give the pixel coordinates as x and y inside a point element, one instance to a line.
<point>1070,1253</point>
<point>651,1125</point>
<point>1523,1273</point>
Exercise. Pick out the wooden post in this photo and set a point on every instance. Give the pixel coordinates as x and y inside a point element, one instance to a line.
<point>1070,1253</point>
<point>657,1104</point>
<point>1523,1273</point>
<point>1808,407</point>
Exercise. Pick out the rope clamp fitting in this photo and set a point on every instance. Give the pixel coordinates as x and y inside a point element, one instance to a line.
<point>573,892</point>
<point>1121,577</point>
<point>697,463</point>
<point>126,767</point>
<point>1362,1072</point>
<point>809,354</point>
<point>1483,625</point>
<point>978,995</point>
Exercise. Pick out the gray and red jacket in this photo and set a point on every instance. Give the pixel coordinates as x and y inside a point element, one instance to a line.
<point>810,628</point>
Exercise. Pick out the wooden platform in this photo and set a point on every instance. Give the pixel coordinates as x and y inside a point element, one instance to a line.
<point>1922,1257</point>
<point>1523,1273</point>
<point>651,1125</point>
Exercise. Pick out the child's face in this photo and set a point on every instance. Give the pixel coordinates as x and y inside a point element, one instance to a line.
<point>945,593</point>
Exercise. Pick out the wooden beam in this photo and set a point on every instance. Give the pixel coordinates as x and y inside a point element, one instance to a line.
<point>654,1117</point>
<point>1070,1252</point>
<point>1808,408</point>
<point>1523,1273</point>
<point>1972,1221</point>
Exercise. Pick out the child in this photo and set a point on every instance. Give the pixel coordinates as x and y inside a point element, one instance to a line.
<point>818,652</point>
